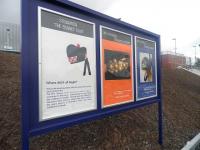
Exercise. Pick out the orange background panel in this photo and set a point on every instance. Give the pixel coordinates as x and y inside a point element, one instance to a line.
<point>116,91</point>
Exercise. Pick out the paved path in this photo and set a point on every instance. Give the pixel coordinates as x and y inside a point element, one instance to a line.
<point>194,71</point>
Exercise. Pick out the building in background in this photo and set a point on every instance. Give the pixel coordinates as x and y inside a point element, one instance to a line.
<point>171,60</point>
<point>10,37</point>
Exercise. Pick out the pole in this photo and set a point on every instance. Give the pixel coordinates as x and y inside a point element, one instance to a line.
<point>199,51</point>
<point>175,51</point>
<point>199,46</point>
<point>160,110</point>
<point>160,122</point>
<point>25,75</point>
<point>194,53</point>
<point>174,45</point>
<point>7,38</point>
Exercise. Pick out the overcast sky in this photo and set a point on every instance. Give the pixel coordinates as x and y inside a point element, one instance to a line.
<point>10,11</point>
<point>178,19</point>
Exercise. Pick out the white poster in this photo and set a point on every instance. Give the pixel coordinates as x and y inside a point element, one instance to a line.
<point>67,65</point>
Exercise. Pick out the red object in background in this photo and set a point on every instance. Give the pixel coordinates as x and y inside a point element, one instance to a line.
<point>172,61</point>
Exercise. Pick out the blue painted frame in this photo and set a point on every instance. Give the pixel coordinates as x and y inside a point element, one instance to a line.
<point>142,85</point>
<point>30,96</point>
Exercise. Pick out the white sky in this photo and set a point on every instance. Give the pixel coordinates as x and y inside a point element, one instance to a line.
<point>10,11</point>
<point>178,19</point>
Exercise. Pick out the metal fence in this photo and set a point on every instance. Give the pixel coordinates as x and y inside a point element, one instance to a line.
<point>10,37</point>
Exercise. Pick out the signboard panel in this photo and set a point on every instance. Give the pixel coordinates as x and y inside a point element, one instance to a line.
<point>67,65</point>
<point>146,68</point>
<point>116,67</point>
<point>78,65</point>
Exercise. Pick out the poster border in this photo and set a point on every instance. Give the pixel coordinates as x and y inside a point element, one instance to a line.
<point>101,74</point>
<point>39,10</point>
<point>29,95</point>
<point>136,69</point>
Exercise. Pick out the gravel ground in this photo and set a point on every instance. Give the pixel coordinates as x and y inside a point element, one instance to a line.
<point>131,130</point>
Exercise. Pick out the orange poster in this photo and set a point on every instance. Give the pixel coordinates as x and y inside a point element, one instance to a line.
<point>116,67</point>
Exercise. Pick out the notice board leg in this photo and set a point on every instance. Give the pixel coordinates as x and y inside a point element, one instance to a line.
<point>25,76</point>
<point>24,131</point>
<point>25,142</point>
<point>160,123</point>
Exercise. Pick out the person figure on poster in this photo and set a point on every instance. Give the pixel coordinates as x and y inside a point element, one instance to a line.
<point>147,67</point>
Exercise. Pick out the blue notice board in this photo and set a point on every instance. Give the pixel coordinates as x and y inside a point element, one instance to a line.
<point>63,72</point>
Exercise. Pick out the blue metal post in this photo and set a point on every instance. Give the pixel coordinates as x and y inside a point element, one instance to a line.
<point>160,123</point>
<point>160,110</point>
<point>25,140</point>
<point>25,75</point>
